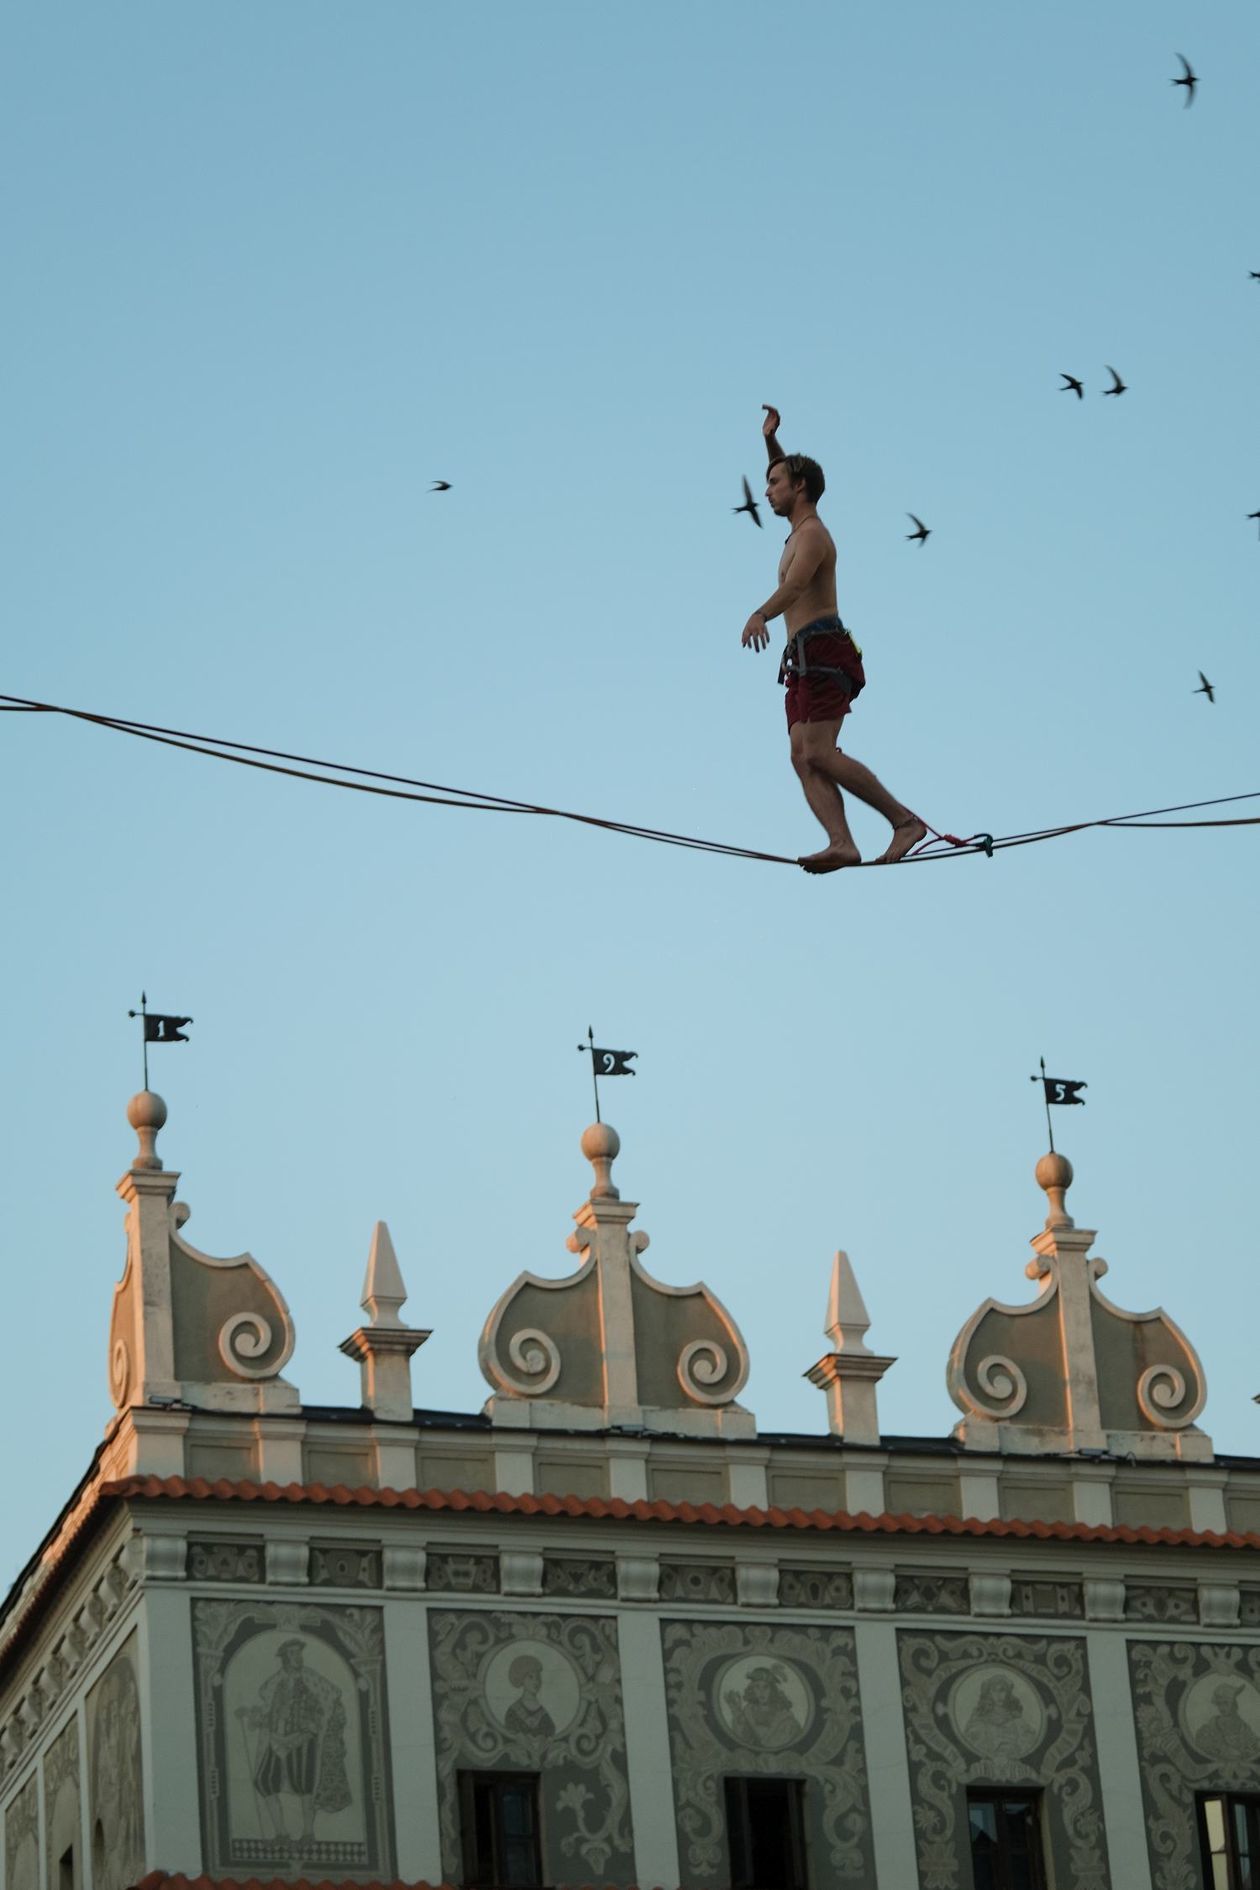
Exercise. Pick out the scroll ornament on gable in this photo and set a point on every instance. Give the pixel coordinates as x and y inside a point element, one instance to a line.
<point>608,1344</point>
<point>1070,1370</point>
<point>187,1327</point>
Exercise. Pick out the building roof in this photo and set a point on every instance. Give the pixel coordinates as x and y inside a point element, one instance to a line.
<point>658,1510</point>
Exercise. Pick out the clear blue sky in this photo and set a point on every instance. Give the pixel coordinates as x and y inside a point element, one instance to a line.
<point>271,271</point>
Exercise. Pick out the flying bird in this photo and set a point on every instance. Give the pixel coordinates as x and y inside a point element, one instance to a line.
<point>923,534</point>
<point>440,485</point>
<point>1254,274</point>
<point>1255,515</point>
<point>1071,385</point>
<point>1205,688</point>
<point>749,506</point>
<point>1189,81</point>
<point>1120,386</point>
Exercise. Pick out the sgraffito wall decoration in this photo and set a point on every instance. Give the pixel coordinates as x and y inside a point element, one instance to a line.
<point>115,1775</point>
<point>61,1809</point>
<point>747,1698</point>
<point>292,1738</point>
<point>21,1839</point>
<point>1197,1709</point>
<point>1002,1710</point>
<point>536,1693</point>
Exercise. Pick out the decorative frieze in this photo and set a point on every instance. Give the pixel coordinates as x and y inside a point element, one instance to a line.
<point>917,1593</point>
<point>1163,1604</point>
<point>1061,1601</point>
<point>219,1560</point>
<point>815,1588</point>
<point>582,1577</point>
<point>462,1574</point>
<point>345,1565</point>
<point>697,1581</point>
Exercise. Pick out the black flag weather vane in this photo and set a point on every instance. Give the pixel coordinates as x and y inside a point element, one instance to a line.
<point>158,1028</point>
<point>1058,1092</point>
<point>605,1063</point>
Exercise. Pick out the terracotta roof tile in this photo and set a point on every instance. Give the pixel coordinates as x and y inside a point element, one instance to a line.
<point>614,1508</point>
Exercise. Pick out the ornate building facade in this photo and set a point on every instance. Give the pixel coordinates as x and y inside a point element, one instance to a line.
<point>606,1631</point>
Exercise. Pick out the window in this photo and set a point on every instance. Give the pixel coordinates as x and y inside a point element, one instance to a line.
<point>765,1832</point>
<point>499,1817</point>
<point>1006,1840</point>
<point>65,1869</point>
<point>1229,1832</point>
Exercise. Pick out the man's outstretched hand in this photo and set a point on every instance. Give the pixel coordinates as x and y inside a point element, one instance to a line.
<point>772,422</point>
<point>756,632</point>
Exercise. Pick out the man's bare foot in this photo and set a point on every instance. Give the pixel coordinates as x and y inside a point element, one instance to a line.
<point>906,834</point>
<point>832,858</point>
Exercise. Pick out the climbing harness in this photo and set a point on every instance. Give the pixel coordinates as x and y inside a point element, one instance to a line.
<point>795,661</point>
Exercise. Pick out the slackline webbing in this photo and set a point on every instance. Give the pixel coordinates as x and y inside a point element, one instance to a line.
<point>402,787</point>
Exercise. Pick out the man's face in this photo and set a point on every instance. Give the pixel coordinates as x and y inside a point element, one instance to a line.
<point>780,490</point>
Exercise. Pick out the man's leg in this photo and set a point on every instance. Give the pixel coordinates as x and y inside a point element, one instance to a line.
<point>825,801</point>
<point>824,759</point>
<point>273,1814</point>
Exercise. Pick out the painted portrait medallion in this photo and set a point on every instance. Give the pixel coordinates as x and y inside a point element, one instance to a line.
<point>1221,1718</point>
<point>996,1712</point>
<point>531,1689</point>
<point>763,1702</point>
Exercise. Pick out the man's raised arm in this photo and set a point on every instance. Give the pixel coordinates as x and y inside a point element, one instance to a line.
<point>770,431</point>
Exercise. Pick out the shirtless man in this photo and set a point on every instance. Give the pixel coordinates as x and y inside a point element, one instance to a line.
<point>822,666</point>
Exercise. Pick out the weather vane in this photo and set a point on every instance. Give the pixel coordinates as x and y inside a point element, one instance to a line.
<point>1058,1093</point>
<point>158,1028</point>
<point>605,1063</point>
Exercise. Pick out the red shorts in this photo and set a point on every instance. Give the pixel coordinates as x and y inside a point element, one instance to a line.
<point>814,698</point>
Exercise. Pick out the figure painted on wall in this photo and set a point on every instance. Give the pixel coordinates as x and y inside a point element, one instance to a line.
<point>24,1864</point>
<point>532,1690</point>
<point>760,1712</point>
<point>998,1726</point>
<point>1225,1734</point>
<point>300,1749</point>
<point>21,1839</point>
<point>527,1714</point>
<point>117,1784</point>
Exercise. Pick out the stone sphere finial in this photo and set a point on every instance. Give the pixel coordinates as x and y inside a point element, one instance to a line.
<point>601,1146</point>
<point>1054,1175</point>
<point>146,1112</point>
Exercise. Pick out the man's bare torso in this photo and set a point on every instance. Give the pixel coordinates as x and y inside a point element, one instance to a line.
<point>818,599</point>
